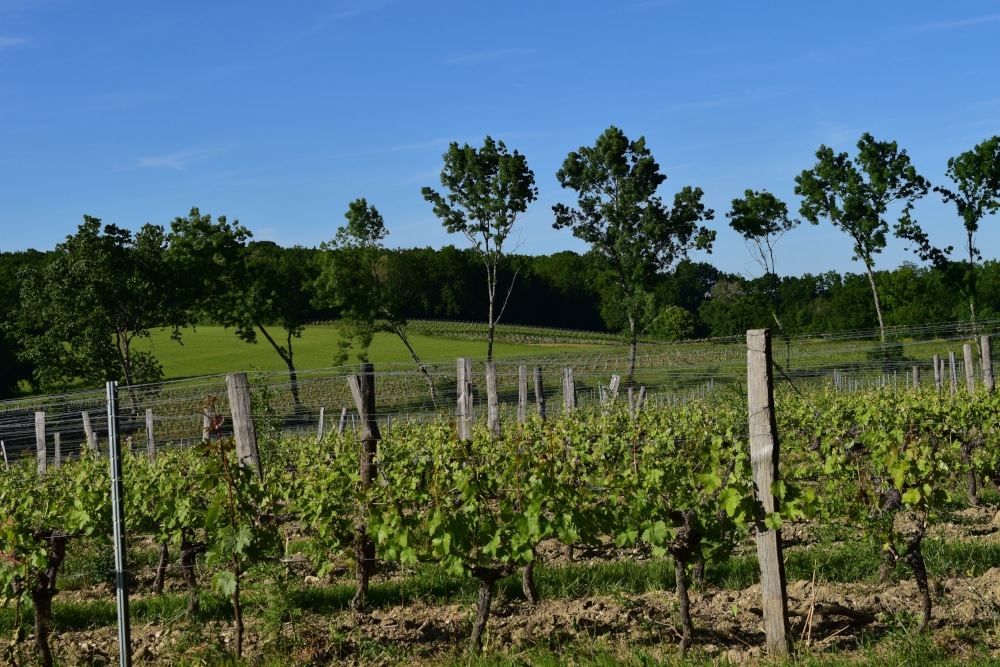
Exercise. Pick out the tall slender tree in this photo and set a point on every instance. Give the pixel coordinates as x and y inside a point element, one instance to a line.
<point>976,174</point>
<point>620,215</point>
<point>855,197</point>
<point>488,188</point>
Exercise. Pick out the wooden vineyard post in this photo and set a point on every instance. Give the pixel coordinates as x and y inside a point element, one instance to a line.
<point>150,443</point>
<point>89,431</point>
<point>569,390</point>
<point>57,445</point>
<point>3,448</point>
<point>246,437</point>
<point>40,442</point>
<point>954,372</point>
<point>522,394</point>
<point>464,411</point>
<point>986,354</point>
<point>970,369</point>
<point>363,391</point>
<point>343,421</point>
<point>539,393</point>
<point>916,378</point>
<point>937,373</point>
<point>764,460</point>
<point>322,418</point>
<point>492,400</point>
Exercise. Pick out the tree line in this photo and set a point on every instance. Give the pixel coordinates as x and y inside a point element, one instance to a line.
<point>74,313</point>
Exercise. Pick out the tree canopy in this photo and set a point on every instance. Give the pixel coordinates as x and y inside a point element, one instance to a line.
<point>623,219</point>
<point>488,188</point>
<point>855,197</point>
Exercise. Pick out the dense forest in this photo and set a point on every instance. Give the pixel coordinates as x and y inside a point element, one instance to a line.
<point>574,291</point>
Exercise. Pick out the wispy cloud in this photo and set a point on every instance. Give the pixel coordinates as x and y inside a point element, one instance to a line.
<point>730,100</point>
<point>949,25</point>
<point>484,56</point>
<point>8,42</point>
<point>348,9</point>
<point>181,159</point>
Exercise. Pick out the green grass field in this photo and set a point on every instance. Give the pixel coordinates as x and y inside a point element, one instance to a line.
<point>213,350</point>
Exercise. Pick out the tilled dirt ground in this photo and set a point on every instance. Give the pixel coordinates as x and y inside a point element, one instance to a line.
<point>825,617</point>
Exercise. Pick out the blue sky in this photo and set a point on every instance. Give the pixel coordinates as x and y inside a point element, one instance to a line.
<point>279,114</point>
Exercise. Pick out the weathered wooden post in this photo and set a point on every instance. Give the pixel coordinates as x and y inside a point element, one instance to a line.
<point>3,448</point>
<point>322,419</point>
<point>464,406</point>
<point>937,373</point>
<point>150,443</point>
<point>91,435</point>
<point>57,446</point>
<point>916,378</point>
<point>243,429</point>
<point>363,391</point>
<point>343,421</point>
<point>522,394</point>
<point>539,393</point>
<point>987,357</point>
<point>764,461</point>
<point>569,390</point>
<point>954,372</point>
<point>492,400</point>
<point>40,450</point>
<point>970,369</point>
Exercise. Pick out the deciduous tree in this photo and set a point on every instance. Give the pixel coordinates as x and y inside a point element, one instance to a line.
<point>855,197</point>
<point>487,189</point>
<point>83,311</point>
<point>976,174</point>
<point>358,277</point>
<point>620,215</point>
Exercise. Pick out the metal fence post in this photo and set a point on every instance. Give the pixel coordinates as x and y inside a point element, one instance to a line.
<point>118,526</point>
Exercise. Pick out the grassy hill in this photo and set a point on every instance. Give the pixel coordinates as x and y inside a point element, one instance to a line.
<point>212,350</point>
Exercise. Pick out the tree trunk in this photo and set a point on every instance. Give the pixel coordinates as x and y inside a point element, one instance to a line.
<point>286,356</point>
<point>878,305</point>
<point>528,583</point>
<point>633,344</point>
<point>488,577</point>
<point>161,568</point>
<point>687,629</point>
<point>189,550</point>
<point>420,364</point>
<point>44,589</point>
<point>237,610</point>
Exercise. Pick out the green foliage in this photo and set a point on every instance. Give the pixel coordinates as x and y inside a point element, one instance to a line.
<point>487,189</point>
<point>761,219</point>
<point>82,311</point>
<point>855,197</point>
<point>620,215</point>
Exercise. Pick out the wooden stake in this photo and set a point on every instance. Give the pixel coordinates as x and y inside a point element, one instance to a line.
<point>522,394</point>
<point>40,452</point>
<point>764,461</point>
<point>492,400</point>
<point>464,406</point>
<point>150,443</point>
<point>89,431</point>
<point>987,357</point>
<point>970,369</point>
<point>322,418</point>
<point>539,393</point>
<point>246,437</point>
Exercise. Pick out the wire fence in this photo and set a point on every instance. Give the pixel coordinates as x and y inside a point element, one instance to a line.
<point>171,413</point>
